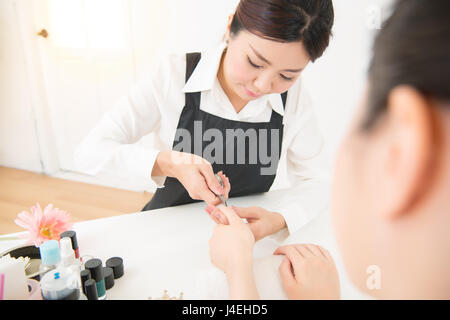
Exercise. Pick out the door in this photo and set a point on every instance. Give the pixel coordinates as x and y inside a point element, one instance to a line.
<point>86,55</point>
<point>91,52</point>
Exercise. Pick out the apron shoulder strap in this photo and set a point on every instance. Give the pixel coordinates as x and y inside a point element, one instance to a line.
<point>192,99</point>
<point>192,60</point>
<point>276,117</point>
<point>284,98</point>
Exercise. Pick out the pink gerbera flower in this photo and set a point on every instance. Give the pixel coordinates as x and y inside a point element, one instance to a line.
<point>43,226</point>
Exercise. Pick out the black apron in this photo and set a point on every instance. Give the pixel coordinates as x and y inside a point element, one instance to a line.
<point>245,178</point>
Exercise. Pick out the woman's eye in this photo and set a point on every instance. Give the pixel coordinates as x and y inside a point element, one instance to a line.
<point>286,78</point>
<point>252,64</point>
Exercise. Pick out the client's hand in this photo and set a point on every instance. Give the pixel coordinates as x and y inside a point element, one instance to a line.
<point>232,244</point>
<point>231,250</point>
<point>262,222</point>
<point>308,272</point>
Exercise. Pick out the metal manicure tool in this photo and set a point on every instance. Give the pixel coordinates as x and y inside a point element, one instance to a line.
<point>222,198</point>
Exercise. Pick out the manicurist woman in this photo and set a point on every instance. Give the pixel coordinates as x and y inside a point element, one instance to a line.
<point>235,110</point>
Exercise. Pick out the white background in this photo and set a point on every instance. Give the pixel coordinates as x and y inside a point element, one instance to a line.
<point>54,90</point>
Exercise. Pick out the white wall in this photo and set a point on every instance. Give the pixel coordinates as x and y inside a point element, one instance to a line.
<point>160,26</point>
<point>336,80</point>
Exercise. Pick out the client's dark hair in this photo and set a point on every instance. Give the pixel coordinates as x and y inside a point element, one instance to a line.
<point>413,48</point>
<point>309,21</point>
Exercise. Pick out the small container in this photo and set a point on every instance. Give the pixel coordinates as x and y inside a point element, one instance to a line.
<point>60,284</point>
<point>50,257</point>
<point>73,237</point>
<point>96,269</point>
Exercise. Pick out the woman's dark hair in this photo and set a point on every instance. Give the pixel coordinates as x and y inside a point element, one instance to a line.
<point>413,48</point>
<point>309,21</point>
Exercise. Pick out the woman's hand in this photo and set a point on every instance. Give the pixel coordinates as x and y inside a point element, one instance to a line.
<point>194,173</point>
<point>308,272</point>
<point>262,222</point>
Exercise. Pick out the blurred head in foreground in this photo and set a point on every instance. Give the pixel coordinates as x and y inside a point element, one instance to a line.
<point>391,190</point>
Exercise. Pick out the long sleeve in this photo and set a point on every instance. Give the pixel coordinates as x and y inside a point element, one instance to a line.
<point>111,145</point>
<point>306,198</point>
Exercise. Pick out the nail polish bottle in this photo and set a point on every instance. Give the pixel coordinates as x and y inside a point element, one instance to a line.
<point>116,263</point>
<point>85,275</point>
<point>90,288</point>
<point>73,237</point>
<point>68,259</point>
<point>50,257</point>
<point>96,269</point>
<point>109,277</point>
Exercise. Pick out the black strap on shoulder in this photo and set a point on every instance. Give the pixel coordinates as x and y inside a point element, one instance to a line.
<point>284,98</point>
<point>192,98</point>
<point>192,60</point>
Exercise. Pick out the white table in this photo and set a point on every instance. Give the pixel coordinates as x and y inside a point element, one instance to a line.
<point>167,249</point>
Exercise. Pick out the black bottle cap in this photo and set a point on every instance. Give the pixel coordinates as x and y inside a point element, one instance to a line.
<point>96,269</point>
<point>90,288</point>
<point>73,236</point>
<point>109,277</point>
<point>116,263</point>
<point>85,275</point>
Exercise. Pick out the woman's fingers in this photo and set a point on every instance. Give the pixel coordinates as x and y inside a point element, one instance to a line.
<point>326,254</point>
<point>247,213</point>
<point>316,250</point>
<point>223,215</point>
<point>210,209</point>
<point>211,180</point>
<point>308,250</point>
<point>218,216</point>
<point>230,215</point>
<point>226,184</point>
<point>286,272</point>
<point>294,256</point>
<point>203,192</point>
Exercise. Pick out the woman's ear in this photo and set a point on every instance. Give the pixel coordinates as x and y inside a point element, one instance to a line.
<point>409,152</point>
<point>230,20</point>
<point>228,31</point>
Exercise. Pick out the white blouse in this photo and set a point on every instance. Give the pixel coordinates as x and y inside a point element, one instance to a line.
<point>155,103</point>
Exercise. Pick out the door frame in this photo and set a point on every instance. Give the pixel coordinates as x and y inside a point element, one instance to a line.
<point>31,42</point>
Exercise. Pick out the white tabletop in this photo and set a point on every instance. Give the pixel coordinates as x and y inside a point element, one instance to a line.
<point>167,249</point>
